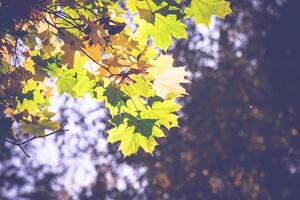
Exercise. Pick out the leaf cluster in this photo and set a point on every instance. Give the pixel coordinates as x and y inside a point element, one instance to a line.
<point>92,47</point>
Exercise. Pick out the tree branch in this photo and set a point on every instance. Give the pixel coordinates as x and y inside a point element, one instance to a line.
<point>20,144</point>
<point>92,59</point>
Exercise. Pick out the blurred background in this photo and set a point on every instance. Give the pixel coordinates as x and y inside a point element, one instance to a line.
<point>239,137</point>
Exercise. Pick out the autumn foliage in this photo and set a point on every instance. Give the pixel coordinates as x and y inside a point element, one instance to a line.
<point>113,51</point>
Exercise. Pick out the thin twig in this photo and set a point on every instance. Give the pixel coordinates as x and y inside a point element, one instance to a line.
<point>85,53</point>
<point>43,136</point>
<point>20,144</point>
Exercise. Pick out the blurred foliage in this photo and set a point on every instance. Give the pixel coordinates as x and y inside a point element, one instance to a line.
<point>239,136</point>
<point>240,132</point>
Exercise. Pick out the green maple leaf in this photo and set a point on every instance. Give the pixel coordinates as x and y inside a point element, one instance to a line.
<point>66,84</point>
<point>142,126</point>
<point>39,128</point>
<point>130,140</point>
<point>202,10</point>
<point>84,84</point>
<point>132,5</point>
<point>163,112</point>
<point>134,133</point>
<point>143,31</point>
<point>145,8</point>
<point>148,144</point>
<point>131,144</point>
<point>134,106</point>
<point>140,87</point>
<point>164,28</point>
<point>162,31</point>
<point>114,99</point>
<point>65,79</point>
<point>119,133</point>
<point>157,132</point>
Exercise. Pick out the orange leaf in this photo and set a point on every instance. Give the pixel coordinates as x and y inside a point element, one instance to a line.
<point>93,51</point>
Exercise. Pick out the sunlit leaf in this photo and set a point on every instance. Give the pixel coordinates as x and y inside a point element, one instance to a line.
<point>203,10</point>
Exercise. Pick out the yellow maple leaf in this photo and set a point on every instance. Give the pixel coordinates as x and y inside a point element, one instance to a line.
<point>168,79</point>
<point>29,65</point>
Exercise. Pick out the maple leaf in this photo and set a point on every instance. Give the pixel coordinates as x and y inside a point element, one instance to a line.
<point>149,6</point>
<point>146,9</point>
<point>130,141</point>
<point>91,67</point>
<point>84,84</point>
<point>97,32</point>
<point>97,69</point>
<point>163,112</point>
<point>123,41</point>
<point>48,91</point>
<point>102,56</point>
<point>148,144</point>
<point>71,44</point>
<point>114,99</point>
<point>66,82</point>
<point>202,10</point>
<point>133,107</point>
<point>68,57</point>
<point>130,145</point>
<point>29,65</point>
<point>140,87</point>
<point>39,128</point>
<point>163,30</point>
<point>119,133</point>
<point>93,51</point>
<point>134,133</point>
<point>143,31</point>
<point>42,27</point>
<point>169,82</point>
<point>168,78</point>
<point>166,27</point>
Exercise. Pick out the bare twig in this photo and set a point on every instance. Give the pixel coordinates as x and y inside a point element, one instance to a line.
<point>20,144</point>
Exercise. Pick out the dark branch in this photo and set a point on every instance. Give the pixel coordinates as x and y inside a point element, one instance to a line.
<point>95,61</point>
<point>20,144</point>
